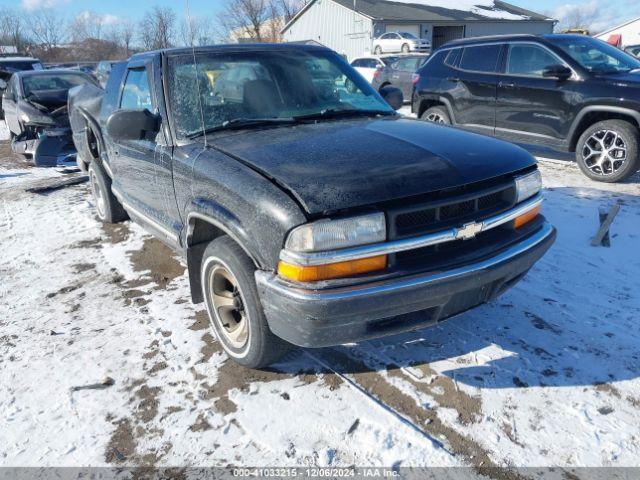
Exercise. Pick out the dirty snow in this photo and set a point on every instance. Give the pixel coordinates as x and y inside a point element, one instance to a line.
<point>4,131</point>
<point>485,8</point>
<point>548,374</point>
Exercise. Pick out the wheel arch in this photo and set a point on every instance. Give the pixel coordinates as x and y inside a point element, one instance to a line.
<point>429,102</point>
<point>597,113</point>
<point>201,229</point>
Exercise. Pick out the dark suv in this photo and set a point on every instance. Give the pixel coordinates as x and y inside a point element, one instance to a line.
<point>568,92</point>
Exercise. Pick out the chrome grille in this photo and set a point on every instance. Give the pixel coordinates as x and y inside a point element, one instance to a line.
<point>452,211</point>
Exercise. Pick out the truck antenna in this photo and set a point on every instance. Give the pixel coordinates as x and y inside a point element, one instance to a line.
<point>195,66</point>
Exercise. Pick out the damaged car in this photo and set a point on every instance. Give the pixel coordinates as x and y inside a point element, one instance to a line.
<point>35,110</point>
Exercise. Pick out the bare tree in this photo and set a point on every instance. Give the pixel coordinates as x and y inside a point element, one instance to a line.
<point>12,29</point>
<point>157,28</point>
<point>287,9</point>
<point>46,28</point>
<point>126,31</point>
<point>197,31</point>
<point>245,18</point>
<point>84,26</point>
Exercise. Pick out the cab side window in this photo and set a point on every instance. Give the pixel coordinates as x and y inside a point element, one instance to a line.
<point>136,94</point>
<point>483,58</point>
<point>529,60</point>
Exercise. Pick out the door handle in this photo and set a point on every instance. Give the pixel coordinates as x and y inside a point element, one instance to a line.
<point>506,85</point>
<point>453,79</point>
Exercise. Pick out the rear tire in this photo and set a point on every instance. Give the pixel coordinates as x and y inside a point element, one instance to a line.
<point>436,115</point>
<point>233,304</point>
<point>607,151</point>
<point>108,208</point>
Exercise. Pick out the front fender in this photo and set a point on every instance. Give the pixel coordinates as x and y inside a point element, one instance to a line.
<point>228,198</point>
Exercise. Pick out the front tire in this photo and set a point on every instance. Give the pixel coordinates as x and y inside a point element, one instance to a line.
<point>378,50</point>
<point>405,48</point>
<point>436,115</point>
<point>607,151</point>
<point>108,207</point>
<point>233,304</point>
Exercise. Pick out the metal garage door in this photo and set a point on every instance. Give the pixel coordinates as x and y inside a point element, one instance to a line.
<point>411,28</point>
<point>444,34</point>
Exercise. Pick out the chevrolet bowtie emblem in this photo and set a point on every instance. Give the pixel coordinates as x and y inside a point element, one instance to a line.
<point>468,231</point>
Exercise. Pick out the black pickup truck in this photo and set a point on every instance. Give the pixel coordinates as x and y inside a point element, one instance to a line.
<point>308,211</point>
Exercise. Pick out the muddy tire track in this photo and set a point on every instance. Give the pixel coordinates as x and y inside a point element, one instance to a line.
<point>375,385</point>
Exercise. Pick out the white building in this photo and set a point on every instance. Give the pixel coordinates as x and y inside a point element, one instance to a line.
<point>349,26</point>
<point>623,35</point>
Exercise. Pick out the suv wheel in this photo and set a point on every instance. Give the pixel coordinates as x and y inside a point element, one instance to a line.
<point>405,48</point>
<point>234,307</point>
<point>378,50</point>
<point>608,151</point>
<point>436,115</point>
<point>108,207</point>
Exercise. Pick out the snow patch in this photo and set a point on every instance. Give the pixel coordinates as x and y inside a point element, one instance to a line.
<point>484,8</point>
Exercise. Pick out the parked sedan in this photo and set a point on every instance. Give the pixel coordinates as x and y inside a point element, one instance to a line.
<point>404,42</point>
<point>399,73</point>
<point>35,110</point>
<point>633,50</point>
<point>367,65</point>
<point>10,65</point>
<point>103,70</point>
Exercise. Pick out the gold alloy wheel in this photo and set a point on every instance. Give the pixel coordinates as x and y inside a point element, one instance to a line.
<point>228,306</point>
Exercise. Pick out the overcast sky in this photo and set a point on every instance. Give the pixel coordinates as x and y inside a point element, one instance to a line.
<point>600,14</point>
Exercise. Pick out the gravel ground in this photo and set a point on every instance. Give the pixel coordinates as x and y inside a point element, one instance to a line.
<point>104,360</point>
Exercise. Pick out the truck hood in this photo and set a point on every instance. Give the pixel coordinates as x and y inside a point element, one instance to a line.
<point>343,164</point>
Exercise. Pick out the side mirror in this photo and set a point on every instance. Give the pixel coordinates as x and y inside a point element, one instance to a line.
<point>393,96</point>
<point>133,125</point>
<point>557,71</point>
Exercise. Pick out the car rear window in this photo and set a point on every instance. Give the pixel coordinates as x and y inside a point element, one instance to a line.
<point>483,58</point>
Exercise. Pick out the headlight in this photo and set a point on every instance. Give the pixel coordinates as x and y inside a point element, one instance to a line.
<point>528,185</point>
<point>333,234</point>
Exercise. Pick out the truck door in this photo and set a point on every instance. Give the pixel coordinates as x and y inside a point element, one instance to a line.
<point>134,161</point>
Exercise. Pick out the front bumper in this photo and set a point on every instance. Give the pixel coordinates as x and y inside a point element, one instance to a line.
<point>320,318</point>
<point>50,147</point>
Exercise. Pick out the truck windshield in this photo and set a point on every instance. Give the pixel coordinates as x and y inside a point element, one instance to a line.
<point>285,84</point>
<point>596,55</point>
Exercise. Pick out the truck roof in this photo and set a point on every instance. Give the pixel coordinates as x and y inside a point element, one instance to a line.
<point>232,47</point>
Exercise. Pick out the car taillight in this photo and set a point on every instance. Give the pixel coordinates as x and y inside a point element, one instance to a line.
<point>414,78</point>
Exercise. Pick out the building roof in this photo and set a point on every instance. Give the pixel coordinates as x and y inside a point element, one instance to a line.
<point>434,10</point>
<point>619,26</point>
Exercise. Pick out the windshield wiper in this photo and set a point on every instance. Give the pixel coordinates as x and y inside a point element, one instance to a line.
<point>242,123</point>
<point>346,112</point>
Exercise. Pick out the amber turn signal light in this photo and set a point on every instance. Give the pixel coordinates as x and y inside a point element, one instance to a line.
<point>526,217</point>
<point>314,273</point>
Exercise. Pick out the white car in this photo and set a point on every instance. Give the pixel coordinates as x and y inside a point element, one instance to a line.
<point>404,42</point>
<point>368,64</point>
